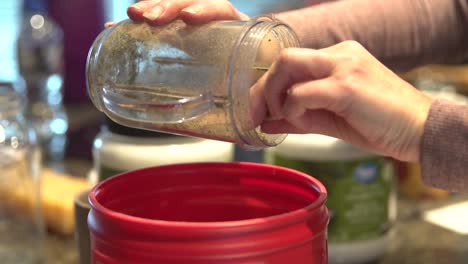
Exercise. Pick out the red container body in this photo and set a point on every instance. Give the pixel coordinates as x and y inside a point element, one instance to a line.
<point>209,213</point>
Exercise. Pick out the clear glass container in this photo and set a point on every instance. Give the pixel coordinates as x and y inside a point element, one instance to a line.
<point>189,80</point>
<point>21,222</point>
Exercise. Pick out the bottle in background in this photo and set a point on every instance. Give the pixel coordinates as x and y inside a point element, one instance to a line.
<point>40,60</point>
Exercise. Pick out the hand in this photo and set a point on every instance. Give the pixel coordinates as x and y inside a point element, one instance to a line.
<point>161,12</point>
<point>344,92</point>
<point>110,24</point>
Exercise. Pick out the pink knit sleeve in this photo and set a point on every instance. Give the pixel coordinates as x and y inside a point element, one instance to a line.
<point>400,33</point>
<point>444,147</point>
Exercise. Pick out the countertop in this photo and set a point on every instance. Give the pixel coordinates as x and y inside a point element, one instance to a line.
<point>417,241</point>
<point>414,240</point>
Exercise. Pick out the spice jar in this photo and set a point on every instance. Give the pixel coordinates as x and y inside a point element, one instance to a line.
<point>118,149</point>
<point>361,193</point>
<point>184,79</point>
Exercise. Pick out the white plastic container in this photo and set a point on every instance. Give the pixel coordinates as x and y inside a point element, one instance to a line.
<point>118,149</point>
<point>361,193</point>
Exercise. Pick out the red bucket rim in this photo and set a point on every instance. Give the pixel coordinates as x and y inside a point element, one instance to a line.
<point>274,220</point>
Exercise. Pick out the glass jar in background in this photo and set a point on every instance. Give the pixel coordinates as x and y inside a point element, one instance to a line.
<point>120,149</point>
<point>40,60</point>
<point>21,222</point>
<point>189,80</point>
<point>361,193</point>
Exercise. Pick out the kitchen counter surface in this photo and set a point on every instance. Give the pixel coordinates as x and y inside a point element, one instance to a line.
<point>414,240</point>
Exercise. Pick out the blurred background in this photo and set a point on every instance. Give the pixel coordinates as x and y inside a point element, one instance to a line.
<point>43,54</point>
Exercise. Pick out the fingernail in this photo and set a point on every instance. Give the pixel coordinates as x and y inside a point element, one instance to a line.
<point>154,13</point>
<point>110,24</point>
<point>192,9</point>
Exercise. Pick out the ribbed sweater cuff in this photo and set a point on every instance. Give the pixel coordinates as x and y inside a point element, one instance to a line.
<point>444,149</point>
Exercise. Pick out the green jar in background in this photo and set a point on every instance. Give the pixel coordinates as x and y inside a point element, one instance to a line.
<point>118,149</point>
<point>361,192</point>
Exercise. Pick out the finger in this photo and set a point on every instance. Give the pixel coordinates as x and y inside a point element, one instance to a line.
<point>258,108</point>
<point>312,122</point>
<point>320,94</point>
<point>206,11</point>
<point>318,122</point>
<point>166,11</point>
<point>280,127</point>
<point>136,11</point>
<point>293,66</point>
<point>346,47</point>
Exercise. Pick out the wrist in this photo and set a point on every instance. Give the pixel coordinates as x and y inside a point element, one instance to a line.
<point>419,124</point>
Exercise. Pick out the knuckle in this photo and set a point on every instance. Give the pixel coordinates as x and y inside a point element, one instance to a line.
<point>349,79</point>
<point>230,6</point>
<point>349,84</point>
<point>356,68</point>
<point>168,4</point>
<point>220,5</point>
<point>294,94</point>
<point>350,60</point>
<point>352,65</point>
<point>352,45</point>
<point>284,56</point>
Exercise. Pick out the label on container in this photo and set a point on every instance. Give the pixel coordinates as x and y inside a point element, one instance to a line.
<point>105,172</point>
<point>360,195</point>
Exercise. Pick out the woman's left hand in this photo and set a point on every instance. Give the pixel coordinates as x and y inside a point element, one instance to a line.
<point>344,92</point>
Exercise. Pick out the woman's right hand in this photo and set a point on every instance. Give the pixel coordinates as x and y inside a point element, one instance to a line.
<point>161,12</point>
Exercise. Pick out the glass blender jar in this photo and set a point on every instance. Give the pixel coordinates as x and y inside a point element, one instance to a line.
<point>189,80</point>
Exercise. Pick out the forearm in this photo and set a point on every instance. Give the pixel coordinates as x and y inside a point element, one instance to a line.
<point>401,33</point>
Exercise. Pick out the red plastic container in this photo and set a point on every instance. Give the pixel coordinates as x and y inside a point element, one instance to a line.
<point>209,213</point>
